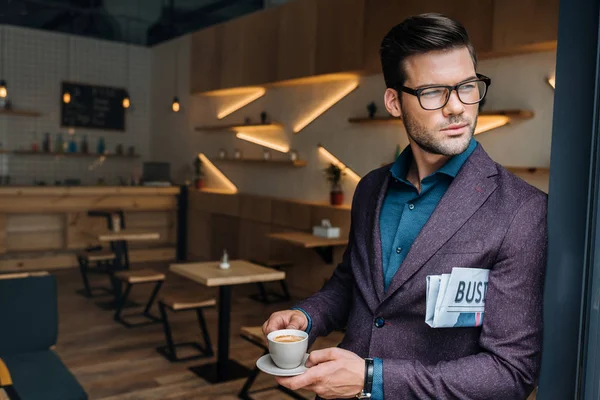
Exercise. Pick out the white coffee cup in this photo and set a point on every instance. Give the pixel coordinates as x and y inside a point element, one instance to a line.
<point>287,355</point>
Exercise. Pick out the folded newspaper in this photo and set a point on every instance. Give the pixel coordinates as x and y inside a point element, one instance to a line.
<point>456,299</point>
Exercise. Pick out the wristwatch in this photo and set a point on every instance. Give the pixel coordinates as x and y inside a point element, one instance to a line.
<point>368,386</point>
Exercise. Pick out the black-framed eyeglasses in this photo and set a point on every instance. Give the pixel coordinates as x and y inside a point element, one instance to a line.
<point>436,97</point>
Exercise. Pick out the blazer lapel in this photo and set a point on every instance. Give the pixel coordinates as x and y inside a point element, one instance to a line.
<point>469,190</point>
<point>376,258</point>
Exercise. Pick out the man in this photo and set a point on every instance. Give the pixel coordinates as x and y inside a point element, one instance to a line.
<point>443,204</point>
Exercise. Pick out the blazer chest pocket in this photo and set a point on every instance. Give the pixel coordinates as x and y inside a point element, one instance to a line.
<point>462,247</point>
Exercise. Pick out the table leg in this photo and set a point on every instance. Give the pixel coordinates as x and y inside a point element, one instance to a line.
<point>224,327</point>
<point>224,369</point>
<point>119,247</point>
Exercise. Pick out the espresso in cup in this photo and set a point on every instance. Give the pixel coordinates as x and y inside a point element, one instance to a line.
<point>288,338</point>
<point>287,347</point>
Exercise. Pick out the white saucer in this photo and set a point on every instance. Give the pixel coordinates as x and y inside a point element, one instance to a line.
<point>266,364</point>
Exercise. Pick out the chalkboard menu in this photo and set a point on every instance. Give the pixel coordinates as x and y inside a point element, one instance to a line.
<point>91,106</point>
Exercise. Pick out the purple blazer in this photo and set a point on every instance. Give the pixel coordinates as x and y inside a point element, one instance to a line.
<point>489,219</point>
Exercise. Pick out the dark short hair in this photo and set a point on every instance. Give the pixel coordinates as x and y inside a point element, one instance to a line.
<point>418,35</point>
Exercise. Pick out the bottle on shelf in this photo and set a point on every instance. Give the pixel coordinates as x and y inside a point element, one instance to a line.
<point>84,145</point>
<point>46,143</point>
<point>72,145</point>
<point>59,143</point>
<point>35,147</point>
<point>101,148</point>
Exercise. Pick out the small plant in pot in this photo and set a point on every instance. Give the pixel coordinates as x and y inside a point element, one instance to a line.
<point>199,174</point>
<point>334,176</point>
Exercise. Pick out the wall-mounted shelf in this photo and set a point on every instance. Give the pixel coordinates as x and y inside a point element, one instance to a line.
<point>20,113</point>
<point>261,161</point>
<point>239,127</point>
<point>488,120</point>
<point>88,155</point>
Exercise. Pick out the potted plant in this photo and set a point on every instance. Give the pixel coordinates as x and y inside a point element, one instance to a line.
<point>199,175</point>
<point>334,176</point>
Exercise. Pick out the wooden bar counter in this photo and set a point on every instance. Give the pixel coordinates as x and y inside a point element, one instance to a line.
<point>44,227</point>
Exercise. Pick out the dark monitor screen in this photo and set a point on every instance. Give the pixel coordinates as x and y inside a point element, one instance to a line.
<point>156,172</point>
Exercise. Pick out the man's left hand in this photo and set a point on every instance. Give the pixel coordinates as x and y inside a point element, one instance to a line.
<point>332,373</point>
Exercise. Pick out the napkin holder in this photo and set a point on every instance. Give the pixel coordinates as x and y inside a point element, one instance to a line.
<point>325,230</point>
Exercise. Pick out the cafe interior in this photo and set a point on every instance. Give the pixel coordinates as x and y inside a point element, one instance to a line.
<point>171,173</point>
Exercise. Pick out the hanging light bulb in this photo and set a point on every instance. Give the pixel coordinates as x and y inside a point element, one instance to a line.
<point>3,89</point>
<point>176,106</point>
<point>66,97</point>
<point>126,100</point>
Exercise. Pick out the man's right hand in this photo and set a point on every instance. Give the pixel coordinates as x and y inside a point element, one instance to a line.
<point>289,319</point>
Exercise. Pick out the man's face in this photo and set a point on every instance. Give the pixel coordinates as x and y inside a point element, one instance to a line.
<point>448,130</point>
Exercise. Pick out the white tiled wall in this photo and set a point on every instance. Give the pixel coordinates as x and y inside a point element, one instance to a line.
<point>35,64</point>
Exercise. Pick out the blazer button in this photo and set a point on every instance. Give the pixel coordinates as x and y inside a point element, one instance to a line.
<point>379,322</point>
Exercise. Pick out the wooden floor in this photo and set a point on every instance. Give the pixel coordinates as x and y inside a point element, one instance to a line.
<point>116,363</point>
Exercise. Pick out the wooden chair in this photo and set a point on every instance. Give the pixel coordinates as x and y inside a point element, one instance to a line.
<point>254,335</point>
<point>178,303</point>
<point>138,277</point>
<point>102,260</point>
<point>268,297</point>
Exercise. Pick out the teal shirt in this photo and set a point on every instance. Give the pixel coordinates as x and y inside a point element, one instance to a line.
<point>403,214</point>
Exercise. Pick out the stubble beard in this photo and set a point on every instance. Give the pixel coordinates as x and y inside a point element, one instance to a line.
<point>426,139</point>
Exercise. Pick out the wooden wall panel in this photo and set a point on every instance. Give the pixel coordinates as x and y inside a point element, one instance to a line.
<point>231,57</point>
<point>224,204</point>
<point>522,23</point>
<point>205,58</point>
<point>199,235</point>
<point>291,215</point>
<point>297,47</point>
<point>259,52</point>
<point>382,15</point>
<point>254,243</point>
<point>35,241</point>
<point>225,231</point>
<point>35,232</point>
<point>255,208</point>
<point>340,32</point>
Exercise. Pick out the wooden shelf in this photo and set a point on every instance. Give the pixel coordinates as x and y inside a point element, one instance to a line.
<point>261,161</point>
<point>511,114</point>
<point>20,113</point>
<point>73,155</point>
<point>239,127</point>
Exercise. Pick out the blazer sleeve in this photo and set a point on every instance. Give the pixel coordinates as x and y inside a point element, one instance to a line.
<point>329,308</point>
<point>508,365</point>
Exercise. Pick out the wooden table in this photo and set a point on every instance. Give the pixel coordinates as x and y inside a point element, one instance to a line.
<point>323,246</point>
<point>118,245</point>
<point>209,274</point>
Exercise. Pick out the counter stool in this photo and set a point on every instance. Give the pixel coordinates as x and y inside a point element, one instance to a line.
<point>254,335</point>
<point>177,303</point>
<point>265,297</point>
<point>137,277</point>
<point>102,260</point>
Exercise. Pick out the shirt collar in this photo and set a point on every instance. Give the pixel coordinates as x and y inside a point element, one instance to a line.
<point>400,167</point>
